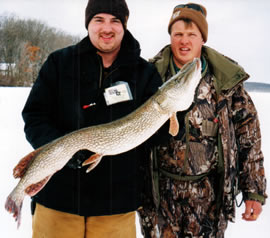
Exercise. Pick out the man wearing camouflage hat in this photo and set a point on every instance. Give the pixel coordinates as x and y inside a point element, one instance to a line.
<point>197,174</point>
<point>77,87</point>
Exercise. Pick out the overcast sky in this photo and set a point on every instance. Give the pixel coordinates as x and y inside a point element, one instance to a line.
<point>237,28</point>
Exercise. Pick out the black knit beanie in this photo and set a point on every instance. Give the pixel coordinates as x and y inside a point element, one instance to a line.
<point>117,8</point>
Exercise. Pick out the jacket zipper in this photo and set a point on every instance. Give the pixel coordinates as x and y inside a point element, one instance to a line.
<point>101,73</point>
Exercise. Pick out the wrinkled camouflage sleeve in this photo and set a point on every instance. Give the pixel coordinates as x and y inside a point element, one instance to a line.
<point>252,181</point>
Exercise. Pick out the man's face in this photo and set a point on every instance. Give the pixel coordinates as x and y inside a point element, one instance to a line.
<point>106,33</point>
<point>186,42</point>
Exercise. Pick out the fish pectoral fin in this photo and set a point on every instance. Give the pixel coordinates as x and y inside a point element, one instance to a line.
<point>35,188</point>
<point>23,164</point>
<point>93,160</point>
<point>93,165</point>
<point>174,125</point>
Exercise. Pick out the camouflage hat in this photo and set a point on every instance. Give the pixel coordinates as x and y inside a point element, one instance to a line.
<point>195,12</point>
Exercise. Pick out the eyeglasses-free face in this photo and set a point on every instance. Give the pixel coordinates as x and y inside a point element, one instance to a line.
<point>186,42</point>
<point>106,32</point>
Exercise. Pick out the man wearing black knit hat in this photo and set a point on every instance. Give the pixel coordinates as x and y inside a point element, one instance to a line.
<point>77,87</point>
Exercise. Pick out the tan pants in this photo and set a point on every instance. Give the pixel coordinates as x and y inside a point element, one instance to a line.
<point>49,223</point>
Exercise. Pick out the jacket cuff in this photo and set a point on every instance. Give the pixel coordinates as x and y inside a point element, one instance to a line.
<point>255,197</point>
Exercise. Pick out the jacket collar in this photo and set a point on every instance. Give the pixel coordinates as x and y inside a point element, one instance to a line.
<point>162,61</point>
<point>226,71</point>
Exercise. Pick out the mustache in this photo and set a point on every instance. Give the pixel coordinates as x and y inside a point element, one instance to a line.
<point>106,33</point>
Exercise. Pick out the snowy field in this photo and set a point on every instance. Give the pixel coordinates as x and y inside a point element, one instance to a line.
<point>14,146</point>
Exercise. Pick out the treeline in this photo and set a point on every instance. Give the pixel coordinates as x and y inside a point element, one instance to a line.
<point>24,46</point>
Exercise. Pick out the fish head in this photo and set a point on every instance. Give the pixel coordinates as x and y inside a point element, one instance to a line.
<point>179,91</point>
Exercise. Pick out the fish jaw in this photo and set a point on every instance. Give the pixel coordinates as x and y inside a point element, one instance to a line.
<point>178,93</point>
<point>191,81</point>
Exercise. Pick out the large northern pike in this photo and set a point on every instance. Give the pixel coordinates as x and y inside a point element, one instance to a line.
<point>119,136</point>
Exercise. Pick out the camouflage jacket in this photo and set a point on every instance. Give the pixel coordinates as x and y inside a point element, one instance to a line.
<point>239,148</point>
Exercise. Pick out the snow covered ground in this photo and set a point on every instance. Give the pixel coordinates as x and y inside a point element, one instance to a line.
<point>13,146</point>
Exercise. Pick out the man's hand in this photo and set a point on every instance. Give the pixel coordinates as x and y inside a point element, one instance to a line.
<point>78,158</point>
<point>253,210</point>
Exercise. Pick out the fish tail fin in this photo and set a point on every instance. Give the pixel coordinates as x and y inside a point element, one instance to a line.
<point>14,205</point>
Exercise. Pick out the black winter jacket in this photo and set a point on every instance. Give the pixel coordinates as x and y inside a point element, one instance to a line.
<point>71,78</point>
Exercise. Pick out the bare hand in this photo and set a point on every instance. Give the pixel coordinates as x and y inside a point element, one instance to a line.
<point>253,210</point>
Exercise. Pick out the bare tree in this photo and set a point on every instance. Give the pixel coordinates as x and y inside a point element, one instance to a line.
<point>25,45</point>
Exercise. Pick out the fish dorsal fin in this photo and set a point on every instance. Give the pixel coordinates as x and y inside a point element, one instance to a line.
<point>174,125</point>
<point>24,163</point>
